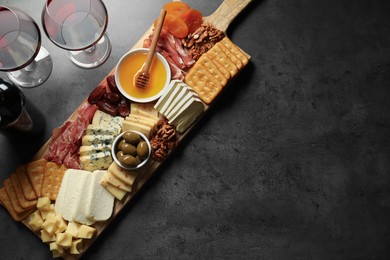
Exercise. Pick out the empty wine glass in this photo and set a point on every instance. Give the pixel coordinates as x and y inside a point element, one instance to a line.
<point>78,26</point>
<point>27,63</point>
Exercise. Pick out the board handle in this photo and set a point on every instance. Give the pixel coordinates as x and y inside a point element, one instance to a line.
<point>226,13</point>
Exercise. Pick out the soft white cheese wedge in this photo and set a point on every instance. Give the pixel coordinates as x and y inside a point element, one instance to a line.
<point>180,104</point>
<point>170,98</point>
<point>165,95</point>
<point>187,114</point>
<point>176,100</point>
<point>101,204</point>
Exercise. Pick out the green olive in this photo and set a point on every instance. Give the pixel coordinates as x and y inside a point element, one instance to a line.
<point>129,149</point>
<point>131,137</point>
<point>119,155</point>
<point>122,142</point>
<point>128,160</point>
<point>138,159</point>
<point>142,149</point>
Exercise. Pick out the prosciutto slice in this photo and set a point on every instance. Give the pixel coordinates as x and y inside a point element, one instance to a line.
<point>172,49</point>
<point>66,140</point>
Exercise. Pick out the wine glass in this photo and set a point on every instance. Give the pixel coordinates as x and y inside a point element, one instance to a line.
<point>26,62</point>
<point>78,26</point>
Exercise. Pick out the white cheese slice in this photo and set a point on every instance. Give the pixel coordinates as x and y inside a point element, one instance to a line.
<point>74,187</point>
<point>84,197</point>
<point>179,105</point>
<point>170,99</point>
<point>176,100</point>
<point>165,95</point>
<point>59,204</point>
<point>187,114</point>
<point>101,204</point>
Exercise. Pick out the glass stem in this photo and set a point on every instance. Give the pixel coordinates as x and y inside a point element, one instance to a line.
<point>30,67</point>
<point>90,49</point>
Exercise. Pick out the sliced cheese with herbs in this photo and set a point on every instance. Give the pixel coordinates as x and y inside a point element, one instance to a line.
<point>96,161</point>
<point>187,114</point>
<point>124,175</point>
<point>111,179</point>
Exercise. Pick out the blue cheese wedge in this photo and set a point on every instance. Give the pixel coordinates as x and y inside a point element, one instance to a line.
<point>105,120</point>
<point>97,139</point>
<point>101,130</point>
<point>96,148</point>
<point>96,161</point>
<point>187,114</point>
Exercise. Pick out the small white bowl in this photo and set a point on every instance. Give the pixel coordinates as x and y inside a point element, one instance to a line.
<point>114,150</point>
<point>148,99</point>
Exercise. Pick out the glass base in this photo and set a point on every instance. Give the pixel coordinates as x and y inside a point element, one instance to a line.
<point>35,73</point>
<point>93,56</point>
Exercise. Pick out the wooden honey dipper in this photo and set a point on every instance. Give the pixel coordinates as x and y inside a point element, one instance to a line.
<point>143,77</point>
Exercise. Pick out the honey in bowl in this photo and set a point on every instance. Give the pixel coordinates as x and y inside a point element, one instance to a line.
<point>130,65</point>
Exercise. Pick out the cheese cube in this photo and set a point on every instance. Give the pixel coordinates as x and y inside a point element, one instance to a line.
<point>46,237</point>
<point>43,203</point>
<point>73,228</point>
<point>50,224</point>
<point>35,221</point>
<point>86,232</point>
<point>64,240</point>
<point>61,224</point>
<point>56,250</point>
<point>77,247</point>
<point>45,212</point>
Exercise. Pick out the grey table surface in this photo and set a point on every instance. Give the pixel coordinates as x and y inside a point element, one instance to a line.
<point>291,162</point>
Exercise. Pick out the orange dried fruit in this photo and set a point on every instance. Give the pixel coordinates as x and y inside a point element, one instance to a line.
<point>176,8</point>
<point>193,18</point>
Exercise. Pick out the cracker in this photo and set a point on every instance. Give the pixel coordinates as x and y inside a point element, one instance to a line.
<point>52,179</point>
<point>235,50</point>
<point>23,202</point>
<point>231,56</point>
<point>206,61</point>
<point>219,56</point>
<point>35,171</point>
<point>204,84</point>
<point>27,188</point>
<point>12,196</point>
<point>6,202</point>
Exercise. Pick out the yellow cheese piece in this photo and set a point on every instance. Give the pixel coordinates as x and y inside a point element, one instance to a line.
<point>116,192</point>
<point>50,224</point>
<point>144,109</point>
<point>43,203</point>
<point>141,120</point>
<point>86,232</point>
<point>73,228</point>
<point>114,181</point>
<point>46,237</point>
<point>77,247</point>
<point>56,250</point>
<point>64,240</point>
<point>126,176</point>
<point>61,227</point>
<point>35,221</point>
<point>127,125</point>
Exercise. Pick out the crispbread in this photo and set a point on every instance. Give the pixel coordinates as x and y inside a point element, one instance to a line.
<point>126,176</point>
<point>206,61</point>
<point>35,171</point>
<point>204,84</point>
<point>231,56</point>
<point>23,202</point>
<point>6,202</point>
<point>235,50</point>
<point>219,56</point>
<point>52,179</point>
<point>9,188</point>
<point>27,188</point>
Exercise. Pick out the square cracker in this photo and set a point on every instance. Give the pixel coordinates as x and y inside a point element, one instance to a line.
<point>52,178</point>
<point>6,202</point>
<point>222,59</point>
<point>206,61</point>
<point>35,171</point>
<point>9,188</point>
<point>235,50</point>
<point>27,188</point>
<point>204,84</point>
<point>23,202</point>
<point>231,56</point>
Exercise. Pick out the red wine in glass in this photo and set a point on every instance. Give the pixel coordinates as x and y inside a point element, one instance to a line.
<point>27,63</point>
<point>78,26</point>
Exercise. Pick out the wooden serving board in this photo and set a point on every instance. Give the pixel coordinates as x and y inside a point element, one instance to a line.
<point>221,19</point>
